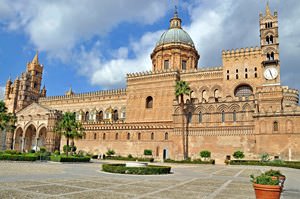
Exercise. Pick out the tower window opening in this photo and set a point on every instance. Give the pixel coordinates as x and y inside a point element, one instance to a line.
<point>246,76</point>
<point>267,40</point>
<point>103,136</point>
<point>255,75</point>
<point>236,76</point>
<point>227,71</point>
<point>234,116</point>
<point>152,136</point>
<point>268,57</point>
<point>183,64</point>
<point>237,70</point>
<point>266,26</point>
<point>272,56</point>
<point>117,136</point>
<point>95,136</point>
<point>227,77</point>
<point>139,136</point>
<point>246,70</point>
<point>255,69</point>
<point>271,39</point>
<point>166,64</point>
<point>166,136</point>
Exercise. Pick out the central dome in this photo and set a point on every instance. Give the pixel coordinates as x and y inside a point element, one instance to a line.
<point>175,35</point>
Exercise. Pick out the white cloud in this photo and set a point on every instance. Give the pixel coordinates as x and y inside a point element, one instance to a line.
<point>2,92</point>
<point>111,73</point>
<point>56,27</point>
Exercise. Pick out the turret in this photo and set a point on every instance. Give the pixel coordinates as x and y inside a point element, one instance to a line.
<point>43,92</point>
<point>8,88</point>
<point>36,70</point>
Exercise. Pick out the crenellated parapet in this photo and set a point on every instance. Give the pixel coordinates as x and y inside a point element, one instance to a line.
<point>242,52</point>
<point>103,93</point>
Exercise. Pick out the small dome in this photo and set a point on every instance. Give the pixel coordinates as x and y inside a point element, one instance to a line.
<point>175,35</point>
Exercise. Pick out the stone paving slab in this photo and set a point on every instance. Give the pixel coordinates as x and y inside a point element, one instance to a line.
<point>58,181</point>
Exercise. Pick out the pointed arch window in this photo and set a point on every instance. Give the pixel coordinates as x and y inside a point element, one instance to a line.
<point>128,136</point>
<point>234,116</point>
<point>275,126</point>
<point>166,64</point>
<point>189,117</point>
<point>95,136</point>
<point>223,116</point>
<point>166,136</point>
<point>271,39</point>
<point>117,136</point>
<point>104,136</point>
<point>200,117</point>
<point>149,102</point>
<point>139,136</point>
<point>152,136</point>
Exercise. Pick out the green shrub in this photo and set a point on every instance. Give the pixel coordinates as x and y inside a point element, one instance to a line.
<point>295,165</point>
<point>147,152</point>
<point>272,172</point>
<point>264,157</point>
<point>10,152</point>
<point>130,156</point>
<point>188,161</point>
<point>69,159</point>
<point>149,170</point>
<point>238,155</point>
<point>43,149</point>
<point>110,152</point>
<point>70,148</point>
<point>205,154</point>
<point>56,152</point>
<point>264,179</point>
<point>17,157</point>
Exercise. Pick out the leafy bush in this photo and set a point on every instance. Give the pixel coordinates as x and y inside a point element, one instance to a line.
<point>148,170</point>
<point>56,152</point>
<point>130,156</point>
<point>238,155</point>
<point>272,172</point>
<point>264,179</point>
<point>189,161</point>
<point>69,159</point>
<point>295,165</point>
<point>10,152</point>
<point>16,157</point>
<point>147,152</point>
<point>110,152</point>
<point>43,149</point>
<point>70,148</point>
<point>265,157</point>
<point>205,154</point>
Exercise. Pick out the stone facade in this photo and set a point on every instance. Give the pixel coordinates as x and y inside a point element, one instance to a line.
<point>240,105</point>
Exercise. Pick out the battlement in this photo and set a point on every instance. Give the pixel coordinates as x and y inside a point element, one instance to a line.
<point>114,92</point>
<point>241,52</point>
<point>170,71</point>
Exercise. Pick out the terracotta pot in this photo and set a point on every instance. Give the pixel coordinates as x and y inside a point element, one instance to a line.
<point>267,191</point>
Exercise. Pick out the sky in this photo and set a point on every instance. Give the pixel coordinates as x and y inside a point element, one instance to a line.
<point>91,45</point>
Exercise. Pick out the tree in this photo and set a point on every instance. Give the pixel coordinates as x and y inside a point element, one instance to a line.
<point>238,155</point>
<point>7,120</point>
<point>182,88</point>
<point>70,128</point>
<point>205,154</point>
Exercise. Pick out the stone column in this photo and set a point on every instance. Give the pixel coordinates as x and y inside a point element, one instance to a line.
<point>36,142</point>
<point>22,145</point>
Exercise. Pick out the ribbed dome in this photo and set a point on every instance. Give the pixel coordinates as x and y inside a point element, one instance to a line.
<point>175,35</point>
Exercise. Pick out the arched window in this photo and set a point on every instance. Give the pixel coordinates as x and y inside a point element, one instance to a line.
<point>234,116</point>
<point>223,117</point>
<point>116,116</point>
<point>95,136</point>
<point>100,116</point>
<point>87,116</point>
<point>139,136</point>
<point>272,56</point>
<point>103,136</point>
<point>243,91</point>
<point>236,76</point>
<point>183,64</point>
<point>149,102</point>
<point>189,117</point>
<point>166,136</point>
<point>266,26</point>
<point>117,136</point>
<point>204,97</point>
<point>268,57</point>
<point>152,136</point>
<point>271,39</point>
<point>128,136</point>
<point>200,117</point>
<point>267,40</point>
<point>275,126</point>
<point>166,64</point>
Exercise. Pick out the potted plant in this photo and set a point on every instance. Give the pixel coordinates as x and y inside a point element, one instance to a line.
<point>266,187</point>
<point>276,174</point>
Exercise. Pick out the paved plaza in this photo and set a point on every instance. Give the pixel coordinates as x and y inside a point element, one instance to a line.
<point>86,180</point>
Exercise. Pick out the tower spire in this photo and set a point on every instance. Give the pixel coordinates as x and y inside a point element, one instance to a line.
<point>36,58</point>
<point>268,11</point>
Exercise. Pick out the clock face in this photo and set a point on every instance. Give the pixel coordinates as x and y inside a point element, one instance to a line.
<point>270,73</point>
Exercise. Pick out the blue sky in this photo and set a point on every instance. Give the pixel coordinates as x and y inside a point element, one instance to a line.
<point>91,45</point>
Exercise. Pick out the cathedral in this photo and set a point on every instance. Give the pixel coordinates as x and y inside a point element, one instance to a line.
<point>240,105</point>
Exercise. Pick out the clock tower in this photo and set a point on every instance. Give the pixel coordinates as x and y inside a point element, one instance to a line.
<point>269,41</point>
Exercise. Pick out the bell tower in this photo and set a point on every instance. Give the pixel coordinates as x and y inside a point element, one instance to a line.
<point>269,41</point>
<point>35,69</point>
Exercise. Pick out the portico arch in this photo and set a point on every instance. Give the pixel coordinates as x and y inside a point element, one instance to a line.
<point>18,139</point>
<point>42,135</point>
<point>29,137</point>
